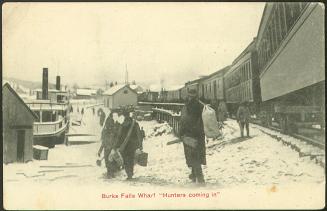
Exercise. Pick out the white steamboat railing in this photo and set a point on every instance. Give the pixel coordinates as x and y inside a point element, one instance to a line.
<point>50,128</point>
<point>47,105</point>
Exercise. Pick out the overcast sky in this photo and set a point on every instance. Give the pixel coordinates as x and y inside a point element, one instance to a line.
<point>89,43</point>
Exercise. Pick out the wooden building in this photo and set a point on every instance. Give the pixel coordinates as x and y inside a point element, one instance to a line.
<point>17,127</point>
<point>119,95</point>
<point>85,94</point>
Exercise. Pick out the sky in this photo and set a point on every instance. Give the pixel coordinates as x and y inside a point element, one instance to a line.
<point>158,43</point>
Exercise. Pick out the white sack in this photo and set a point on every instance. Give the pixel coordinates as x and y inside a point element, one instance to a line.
<point>210,123</point>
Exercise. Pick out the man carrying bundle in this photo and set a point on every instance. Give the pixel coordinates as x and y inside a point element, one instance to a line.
<point>192,134</point>
<point>129,139</point>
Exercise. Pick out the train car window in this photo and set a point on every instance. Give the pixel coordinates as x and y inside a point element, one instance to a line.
<point>249,70</point>
<point>246,72</point>
<point>290,14</point>
<point>281,9</point>
<point>273,31</point>
<point>244,76</point>
<point>277,25</point>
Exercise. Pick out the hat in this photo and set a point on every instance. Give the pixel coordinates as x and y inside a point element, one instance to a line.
<point>192,93</point>
<point>125,112</point>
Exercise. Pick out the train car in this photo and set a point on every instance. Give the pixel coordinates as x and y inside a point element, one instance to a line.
<point>174,94</point>
<point>183,93</point>
<point>148,96</point>
<point>241,81</point>
<point>290,45</point>
<point>212,87</point>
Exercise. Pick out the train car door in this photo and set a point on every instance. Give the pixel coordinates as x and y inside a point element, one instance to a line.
<point>20,145</point>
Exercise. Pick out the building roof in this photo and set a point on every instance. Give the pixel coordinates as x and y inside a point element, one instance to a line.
<point>19,99</point>
<point>249,48</point>
<point>87,92</point>
<point>221,71</point>
<point>175,87</point>
<point>116,88</point>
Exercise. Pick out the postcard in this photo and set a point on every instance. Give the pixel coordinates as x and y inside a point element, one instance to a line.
<point>176,105</point>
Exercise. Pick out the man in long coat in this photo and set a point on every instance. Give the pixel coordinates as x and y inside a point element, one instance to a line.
<point>192,126</point>
<point>243,118</point>
<point>134,142</point>
<point>108,136</point>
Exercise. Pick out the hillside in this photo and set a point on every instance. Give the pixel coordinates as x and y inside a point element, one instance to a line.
<point>28,84</point>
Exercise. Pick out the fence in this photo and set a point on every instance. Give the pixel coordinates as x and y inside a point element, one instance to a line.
<point>173,119</point>
<point>175,107</point>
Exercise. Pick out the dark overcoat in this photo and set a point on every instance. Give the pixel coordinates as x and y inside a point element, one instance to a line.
<point>135,140</point>
<point>108,134</point>
<point>192,126</point>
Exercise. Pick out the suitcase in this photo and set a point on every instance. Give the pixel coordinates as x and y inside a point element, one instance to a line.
<point>142,158</point>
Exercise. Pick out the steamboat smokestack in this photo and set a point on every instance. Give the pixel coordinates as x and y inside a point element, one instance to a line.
<point>45,84</point>
<point>58,83</point>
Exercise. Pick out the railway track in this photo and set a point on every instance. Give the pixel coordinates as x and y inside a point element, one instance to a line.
<point>311,141</point>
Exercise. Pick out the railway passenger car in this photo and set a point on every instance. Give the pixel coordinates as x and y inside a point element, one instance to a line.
<point>183,93</point>
<point>241,82</point>
<point>174,94</point>
<point>148,96</point>
<point>211,88</point>
<point>290,45</point>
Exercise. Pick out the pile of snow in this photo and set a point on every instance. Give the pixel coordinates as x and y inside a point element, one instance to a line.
<point>160,130</point>
<point>303,148</point>
<point>258,160</point>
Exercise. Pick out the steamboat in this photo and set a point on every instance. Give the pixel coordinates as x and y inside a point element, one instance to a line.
<point>52,108</point>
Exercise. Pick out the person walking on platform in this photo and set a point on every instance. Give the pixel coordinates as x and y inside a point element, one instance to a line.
<point>133,142</point>
<point>192,129</point>
<point>222,112</point>
<point>243,118</point>
<point>102,117</point>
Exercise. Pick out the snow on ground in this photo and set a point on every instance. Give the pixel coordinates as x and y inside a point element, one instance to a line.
<point>254,167</point>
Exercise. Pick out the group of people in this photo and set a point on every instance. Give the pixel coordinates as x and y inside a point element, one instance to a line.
<point>191,125</point>
<point>113,135</point>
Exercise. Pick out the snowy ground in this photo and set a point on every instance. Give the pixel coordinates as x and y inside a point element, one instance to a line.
<point>258,172</point>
